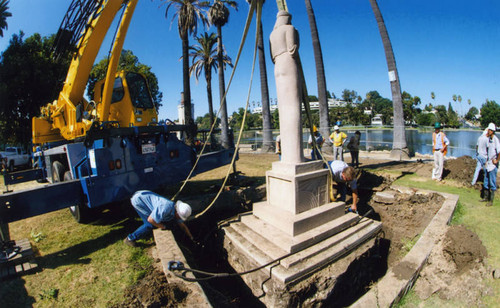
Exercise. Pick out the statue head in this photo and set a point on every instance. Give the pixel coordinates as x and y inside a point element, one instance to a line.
<point>283,18</point>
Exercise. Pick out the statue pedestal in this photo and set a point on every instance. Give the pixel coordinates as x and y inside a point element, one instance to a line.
<point>297,218</point>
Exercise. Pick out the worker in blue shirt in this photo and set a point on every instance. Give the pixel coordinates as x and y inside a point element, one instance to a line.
<point>157,211</point>
<point>343,175</point>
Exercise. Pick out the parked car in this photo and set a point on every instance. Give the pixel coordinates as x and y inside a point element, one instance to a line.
<point>14,157</point>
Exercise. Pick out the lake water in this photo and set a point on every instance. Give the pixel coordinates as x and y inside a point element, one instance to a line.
<point>462,142</point>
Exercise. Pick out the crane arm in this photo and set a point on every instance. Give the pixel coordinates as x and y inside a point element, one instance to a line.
<point>59,120</point>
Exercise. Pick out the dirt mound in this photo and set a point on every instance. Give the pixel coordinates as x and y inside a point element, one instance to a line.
<point>464,248</point>
<point>455,269</point>
<point>404,217</point>
<point>154,291</point>
<point>460,169</point>
<point>368,180</point>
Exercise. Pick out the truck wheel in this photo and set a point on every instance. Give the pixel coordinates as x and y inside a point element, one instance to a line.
<point>80,212</point>
<point>57,172</point>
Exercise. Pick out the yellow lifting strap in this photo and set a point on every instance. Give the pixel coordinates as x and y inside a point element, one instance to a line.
<point>305,97</point>
<point>245,33</point>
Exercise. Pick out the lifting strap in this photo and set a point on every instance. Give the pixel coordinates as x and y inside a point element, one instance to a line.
<point>242,43</point>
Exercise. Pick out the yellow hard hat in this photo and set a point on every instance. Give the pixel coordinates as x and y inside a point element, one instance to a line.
<point>315,129</point>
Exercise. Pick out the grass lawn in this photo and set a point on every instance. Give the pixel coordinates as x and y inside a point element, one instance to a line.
<point>87,265</point>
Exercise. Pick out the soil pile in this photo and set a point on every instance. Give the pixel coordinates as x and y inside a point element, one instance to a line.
<point>404,217</point>
<point>464,248</point>
<point>456,269</point>
<point>460,169</point>
<point>154,291</point>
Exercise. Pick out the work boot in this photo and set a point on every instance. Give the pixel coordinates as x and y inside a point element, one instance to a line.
<point>129,242</point>
<point>491,199</point>
<point>486,195</point>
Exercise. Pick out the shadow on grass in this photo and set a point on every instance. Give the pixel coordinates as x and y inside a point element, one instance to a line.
<point>14,294</point>
<point>122,220</point>
<point>197,187</point>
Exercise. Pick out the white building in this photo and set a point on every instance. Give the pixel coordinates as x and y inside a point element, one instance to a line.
<point>313,105</point>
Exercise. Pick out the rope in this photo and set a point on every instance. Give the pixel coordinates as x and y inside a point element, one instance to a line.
<point>245,32</point>
<point>180,267</point>
<point>249,18</point>
<point>307,108</point>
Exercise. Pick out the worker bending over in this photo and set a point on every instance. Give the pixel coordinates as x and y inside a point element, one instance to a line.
<point>157,211</point>
<point>343,175</point>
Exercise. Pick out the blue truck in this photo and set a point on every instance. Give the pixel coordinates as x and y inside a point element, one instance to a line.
<point>101,151</point>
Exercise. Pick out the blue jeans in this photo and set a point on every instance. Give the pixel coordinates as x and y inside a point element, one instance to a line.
<point>143,230</point>
<point>481,162</point>
<point>490,179</point>
<point>315,154</point>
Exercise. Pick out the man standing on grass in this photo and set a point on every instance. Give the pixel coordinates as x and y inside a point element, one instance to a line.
<point>481,155</point>
<point>492,145</point>
<point>338,139</point>
<point>439,147</point>
<point>315,151</point>
<point>157,211</point>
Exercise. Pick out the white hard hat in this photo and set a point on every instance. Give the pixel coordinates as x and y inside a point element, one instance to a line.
<point>336,127</point>
<point>492,126</point>
<point>183,210</point>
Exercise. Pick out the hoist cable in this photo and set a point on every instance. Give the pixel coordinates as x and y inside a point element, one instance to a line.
<point>259,13</point>
<point>242,43</point>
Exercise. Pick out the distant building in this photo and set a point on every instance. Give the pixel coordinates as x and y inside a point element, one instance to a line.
<point>180,110</point>
<point>377,120</point>
<point>332,103</point>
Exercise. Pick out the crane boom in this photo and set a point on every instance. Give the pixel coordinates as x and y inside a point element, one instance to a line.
<point>61,119</point>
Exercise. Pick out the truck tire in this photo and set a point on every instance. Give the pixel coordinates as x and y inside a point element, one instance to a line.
<point>57,172</point>
<point>80,212</point>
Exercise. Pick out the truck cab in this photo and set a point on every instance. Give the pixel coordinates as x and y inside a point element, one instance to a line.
<point>14,157</point>
<point>131,101</point>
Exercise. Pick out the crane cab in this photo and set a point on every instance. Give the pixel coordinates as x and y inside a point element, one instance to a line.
<point>131,102</point>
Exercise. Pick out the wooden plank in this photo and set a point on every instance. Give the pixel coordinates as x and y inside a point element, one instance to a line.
<point>25,254</point>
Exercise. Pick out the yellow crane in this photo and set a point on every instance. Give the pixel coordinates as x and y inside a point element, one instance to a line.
<point>121,98</point>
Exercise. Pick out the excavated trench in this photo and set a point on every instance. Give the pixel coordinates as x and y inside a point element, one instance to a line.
<point>404,217</point>
<point>360,275</point>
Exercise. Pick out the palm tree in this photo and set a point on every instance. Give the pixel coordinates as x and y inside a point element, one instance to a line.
<point>205,59</point>
<point>399,147</point>
<point>267,142</point>
<point>324,120</point>
<point>459,98</point>
<point>218,15</point>
<point>3,15</point>
<point>188,13</point>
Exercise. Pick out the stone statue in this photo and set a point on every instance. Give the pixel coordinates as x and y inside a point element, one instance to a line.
<point>284,41</point>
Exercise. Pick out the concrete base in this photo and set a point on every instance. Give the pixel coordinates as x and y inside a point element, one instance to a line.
<point>400,154</point>
<point>277,284</point>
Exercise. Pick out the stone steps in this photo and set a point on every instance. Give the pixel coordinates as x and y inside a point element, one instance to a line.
<point>262,251</point>
<point>303,240</point>
<point>295,224</point>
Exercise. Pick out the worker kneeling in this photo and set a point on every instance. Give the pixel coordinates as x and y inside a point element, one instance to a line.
<point>157,211</point>
<point>343,175</point>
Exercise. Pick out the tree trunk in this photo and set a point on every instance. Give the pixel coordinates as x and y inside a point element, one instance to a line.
<point>191,131</point>
<point>399,147</point>
<point>208,78</point>
<point>324,121</point>
<point>268,144</point>
<point>226,143</point>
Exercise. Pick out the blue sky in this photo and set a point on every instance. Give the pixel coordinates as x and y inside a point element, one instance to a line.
<point>446,46</point>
